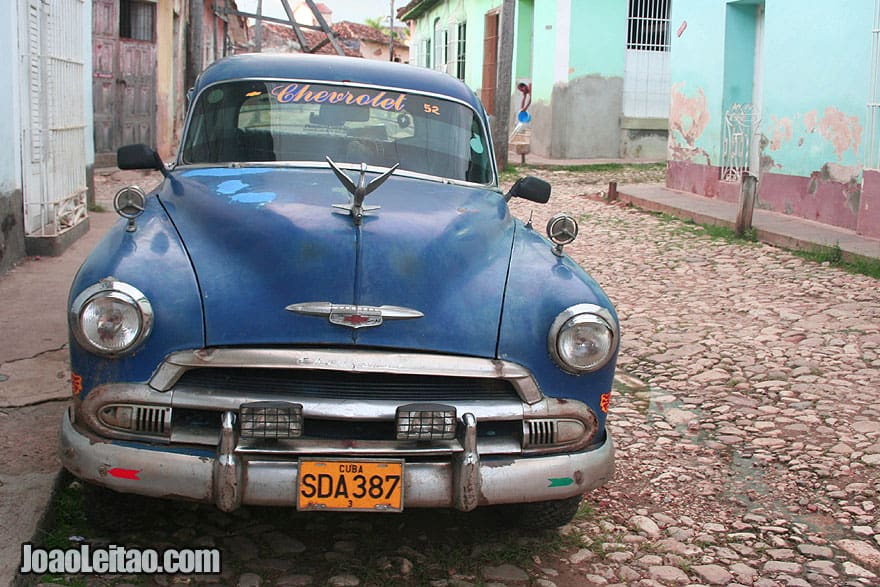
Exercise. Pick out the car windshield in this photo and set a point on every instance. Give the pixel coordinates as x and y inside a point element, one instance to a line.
<point>261,121</point>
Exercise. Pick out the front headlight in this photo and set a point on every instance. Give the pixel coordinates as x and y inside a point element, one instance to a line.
<point>583,338</point>
<point>111,318</point>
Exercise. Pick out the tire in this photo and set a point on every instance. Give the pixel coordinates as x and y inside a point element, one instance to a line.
<point>545,515</point>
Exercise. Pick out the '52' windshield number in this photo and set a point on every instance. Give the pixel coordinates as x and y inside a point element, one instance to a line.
<point>432,109</point>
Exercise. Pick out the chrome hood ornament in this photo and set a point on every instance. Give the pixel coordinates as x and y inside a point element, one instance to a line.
<point>360,190</point>
<point>354,316</point>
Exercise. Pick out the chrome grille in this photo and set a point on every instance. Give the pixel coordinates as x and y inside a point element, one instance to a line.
<point>151,420</point>
<point>300,383</point>
<point>540,433</point>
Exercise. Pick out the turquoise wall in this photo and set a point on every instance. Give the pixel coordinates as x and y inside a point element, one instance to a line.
<point>816,83</point>
<point>739,53</point>
<point>525,23</point>
<point>598,38</point>
<point>816,72</point>
<point>696,66</point>
<point>544,58</point>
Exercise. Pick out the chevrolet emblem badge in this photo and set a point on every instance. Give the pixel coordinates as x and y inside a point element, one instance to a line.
<point>354,316</point>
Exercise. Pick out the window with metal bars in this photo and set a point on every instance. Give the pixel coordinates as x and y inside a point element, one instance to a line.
<point>441,46</point>
<point>648,25</point>
<point>136,20</point>
<point>426,53</point>
<point>646,71</point>
<point>460,50</point>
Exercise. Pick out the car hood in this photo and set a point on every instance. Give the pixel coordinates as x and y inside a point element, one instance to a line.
<point>263,239</point>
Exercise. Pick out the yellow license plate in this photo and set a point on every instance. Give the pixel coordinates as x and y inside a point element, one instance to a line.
<point>350,485</point>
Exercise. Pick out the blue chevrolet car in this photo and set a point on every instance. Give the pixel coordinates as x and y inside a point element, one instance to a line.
<point>327,305</point>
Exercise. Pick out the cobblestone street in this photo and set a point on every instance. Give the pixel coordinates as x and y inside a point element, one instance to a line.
<point>746,420</point>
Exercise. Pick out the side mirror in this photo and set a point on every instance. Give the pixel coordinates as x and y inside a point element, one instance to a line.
<point>139,157</point>
<point>530,188</point>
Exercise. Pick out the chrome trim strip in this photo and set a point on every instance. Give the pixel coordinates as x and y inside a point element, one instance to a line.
<point>376,448</point>
<point>347,166</point>
<point>329,408</point>
<point>353,316</point>
<point>351,361</point>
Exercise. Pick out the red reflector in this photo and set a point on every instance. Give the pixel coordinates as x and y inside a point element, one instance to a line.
<point>355,319</point>
<point>76,382</point>
<point>125,473</point>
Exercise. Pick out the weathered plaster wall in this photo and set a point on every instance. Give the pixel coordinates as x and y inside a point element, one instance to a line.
<point>572,52</point>
<point>696,71</point>
<point>815,84</point>
<point>586,118</point>
<point>577,84</point>
<point>11,221</point>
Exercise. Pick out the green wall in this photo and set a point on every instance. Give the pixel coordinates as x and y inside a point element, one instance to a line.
<point>696,74</point>
<point>815,82</point>
<point>598,38</point>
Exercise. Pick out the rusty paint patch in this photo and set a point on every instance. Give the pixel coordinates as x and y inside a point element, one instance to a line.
<point>781,132</point>
<point>811,121</point>
<point>688,117</point>
<point>844,132</point>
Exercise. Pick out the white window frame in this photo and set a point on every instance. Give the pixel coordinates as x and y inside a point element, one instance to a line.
<point>458,50</point>
<point>441,46</point>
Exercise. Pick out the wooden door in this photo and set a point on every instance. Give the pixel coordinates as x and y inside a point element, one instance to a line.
<point>490,61</point>
<point>124,78</point>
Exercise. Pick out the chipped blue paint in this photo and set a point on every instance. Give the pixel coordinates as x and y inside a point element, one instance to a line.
<point>260,198</point>
<point>230,187</point>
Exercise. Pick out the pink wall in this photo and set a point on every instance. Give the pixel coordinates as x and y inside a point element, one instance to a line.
<point>820,198</point>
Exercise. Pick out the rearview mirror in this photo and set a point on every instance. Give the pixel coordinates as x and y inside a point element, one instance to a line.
<point>530,188</point>
<point>139,156</point>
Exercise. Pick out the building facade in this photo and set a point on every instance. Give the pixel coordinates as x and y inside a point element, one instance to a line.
<point>598,70</point>
<point>46,129</point>
<point>778,89</point>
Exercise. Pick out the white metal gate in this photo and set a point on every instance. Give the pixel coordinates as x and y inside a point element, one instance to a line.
<point>53,121</point>
<point>872,142</point>
<point>646,65</point>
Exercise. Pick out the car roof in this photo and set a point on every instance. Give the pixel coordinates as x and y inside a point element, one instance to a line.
<point>331,68</point>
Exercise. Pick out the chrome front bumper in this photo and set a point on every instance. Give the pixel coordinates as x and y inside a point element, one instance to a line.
<point>229,478</point>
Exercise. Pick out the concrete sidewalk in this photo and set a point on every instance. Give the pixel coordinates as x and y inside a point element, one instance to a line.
<point>781,230</point>
<point>35,376</point>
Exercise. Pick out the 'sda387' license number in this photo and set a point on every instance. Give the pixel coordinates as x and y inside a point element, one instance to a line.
<point>350,485</point>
